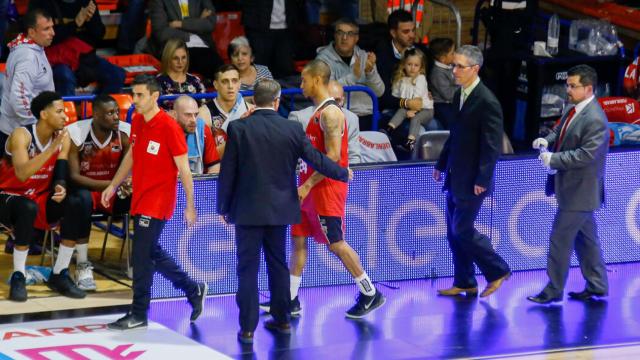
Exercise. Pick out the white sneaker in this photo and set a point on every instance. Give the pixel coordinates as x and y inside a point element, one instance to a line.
<point>84,276</point>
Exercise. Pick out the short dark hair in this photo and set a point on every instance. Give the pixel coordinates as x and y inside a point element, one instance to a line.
<point>440,47</point>
<point>103,99</point>
<point>265,92</point>
<point>345,21</point>
<point>587,74</point>
<point>320,68</point>
<point>398,16</point>
<point>149,81</point>
<point>223,69</point>
<point>30,19</point>
<point>43,101</point>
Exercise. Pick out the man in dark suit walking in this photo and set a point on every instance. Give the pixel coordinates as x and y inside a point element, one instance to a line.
<point>468,160</point>
<point>257,192</point>
<point>579,146</point>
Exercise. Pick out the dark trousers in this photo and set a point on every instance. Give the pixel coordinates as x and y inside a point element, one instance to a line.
<point>148,257</point>
<point>19,213</point>
<point>249,241</point>
<point>110,77</point>
<point>575,230</point>
<point>469,246</point>
<point>274,49</point>
<point>204,61</point>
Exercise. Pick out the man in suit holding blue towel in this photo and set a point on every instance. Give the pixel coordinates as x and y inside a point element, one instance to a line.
<point>257,191</point>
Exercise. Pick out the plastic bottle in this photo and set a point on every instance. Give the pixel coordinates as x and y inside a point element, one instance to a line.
<point>553,35</point>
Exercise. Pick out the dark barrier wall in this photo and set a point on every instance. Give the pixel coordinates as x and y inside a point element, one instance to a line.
<point>396,223</point>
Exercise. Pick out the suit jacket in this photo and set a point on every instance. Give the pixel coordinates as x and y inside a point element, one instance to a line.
<point>475,142</point>
<point>581,159</point>
<point>257,183</point>
<point>256,14</point>
<point>162,12</point>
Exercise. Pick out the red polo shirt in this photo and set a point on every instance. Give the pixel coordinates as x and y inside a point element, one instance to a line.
<point>155,174</point>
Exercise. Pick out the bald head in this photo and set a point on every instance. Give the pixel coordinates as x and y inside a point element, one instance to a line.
<point>336,91</point>
<point>186,110</point>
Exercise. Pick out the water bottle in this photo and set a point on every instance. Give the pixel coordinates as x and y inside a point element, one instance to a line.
<point>543,149</point>
<point>553,35</point>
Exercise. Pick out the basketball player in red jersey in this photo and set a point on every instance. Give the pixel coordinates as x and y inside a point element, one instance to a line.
<point>97,148</point>
<point>34,165</point>
<point>323,200</point>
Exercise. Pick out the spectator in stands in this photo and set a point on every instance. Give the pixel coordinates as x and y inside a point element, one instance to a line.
<point>4,21</point>
<point>409,81</point>
<point>28,73</point>
<point>97,148</point>
<point>242,57</point>
<point>402,29</point>
<point>174,77</point>
<point>229,105</point>
<point>202,152</point>
<point>351,65</point>
<point>269,26</point>
<point>132,26</point>
<point>353,127</point>
<point>441,80</point>
<point>33,193</point>
<point>79,30</point>
<point>191,21</point>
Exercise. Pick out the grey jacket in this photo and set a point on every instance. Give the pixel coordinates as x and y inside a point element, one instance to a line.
<point>442,84</point>
<point>28,74</point>
<point>360,103</point>
<point>162,12</point>
<point>353,128</point>
<point>581,159</point>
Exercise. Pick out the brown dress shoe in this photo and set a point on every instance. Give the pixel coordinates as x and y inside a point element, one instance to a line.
<point>455,291</point>
<point>245,337</point>
<point>494,285</point>
<point>282,328</point>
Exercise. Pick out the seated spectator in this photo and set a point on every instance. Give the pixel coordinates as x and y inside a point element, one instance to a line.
<point>97,148</point>
<point>174,77</point>
<point>190,21</point>
<point>353,127</point>
<point>202,152</point>
<point>270,27</point>
<point>441,81</point>
<point>409,82</point>
<point>351,65</point>
<point>241,56</point>
<point>33,193</point>
<point>78,30</point>
<point>229,105</point>
<point>28,73</point>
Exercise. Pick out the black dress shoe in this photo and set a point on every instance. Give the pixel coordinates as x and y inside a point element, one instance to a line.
<point>282,328</point>
<point>585,295</point>
<point>245,337</point>
<point>543,298</point>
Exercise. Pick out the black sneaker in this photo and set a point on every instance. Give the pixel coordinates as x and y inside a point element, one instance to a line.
<point>128,322</point>
<point>18,290</point>
<point>294,310</point>
<point>197,301</point>
<point>365,304</point>
<point>63,284</point>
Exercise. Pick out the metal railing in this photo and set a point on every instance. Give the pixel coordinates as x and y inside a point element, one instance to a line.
<point>285,92</point>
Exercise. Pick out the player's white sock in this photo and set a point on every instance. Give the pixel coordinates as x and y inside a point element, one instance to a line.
<point>83,253</point>
<point>365,285</point>
<point>64,258</point>
<point>20,260</point>
<point>295,282</point>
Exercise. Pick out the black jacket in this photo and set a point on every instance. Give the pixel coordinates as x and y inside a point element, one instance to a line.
<point>64,14</point>
<point>257,183</point>
<point>256,14</point>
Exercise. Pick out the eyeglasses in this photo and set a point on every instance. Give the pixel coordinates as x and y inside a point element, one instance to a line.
<point>573,86</point>
<point>460,66</point>
<point>340,33</point>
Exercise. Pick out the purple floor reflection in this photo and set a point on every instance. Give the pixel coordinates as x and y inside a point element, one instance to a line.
<point>415,323</point>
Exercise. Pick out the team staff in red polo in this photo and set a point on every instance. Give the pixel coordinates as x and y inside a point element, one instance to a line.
<point>158,152</point>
